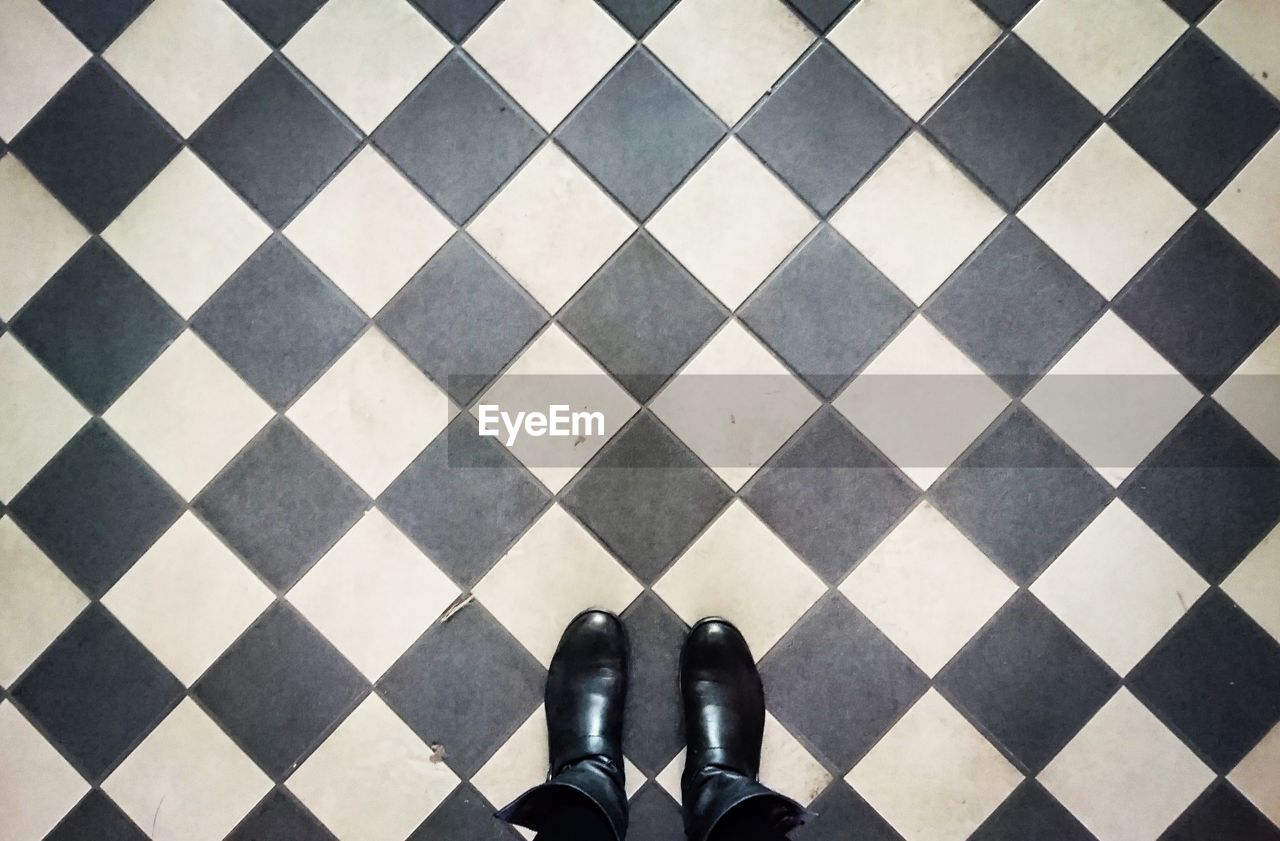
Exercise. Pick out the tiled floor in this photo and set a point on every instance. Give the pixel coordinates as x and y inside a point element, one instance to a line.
<point>939,340</point>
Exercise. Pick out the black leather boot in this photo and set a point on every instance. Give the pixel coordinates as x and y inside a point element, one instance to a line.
<point>724,727</point>
<point>583,798</point>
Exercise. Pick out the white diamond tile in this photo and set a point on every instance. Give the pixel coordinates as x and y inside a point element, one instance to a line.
<point>1125,776</point>
<point>367,55</point>
<point>1112,398</point>
<point>1249,207</point>
<point>548,54</point>
<point>734,404</point>
<point>921,401</point>
<point>187,780</point>
<point>554,571</point>
<point>551,227</point>
<point>373,779</point>
<point>1252,393</point>
<point>37,602</point>
<point>37,234</point>
<point>729,52</point>
<point>1101,46</point>
<point>185,57</point>
<point>1249,32</point>
<point>732,223</point>
<point>555,370</point>
<point>188,414</point>
<point>186,233</point>
<point>37,786</point>
<point>1255,583</point>
<point>1106,211</point>
<point>1255,776</point>
<point>927,588</point>
<point>373,594</point>
<point>37,56</point>
<point>37,416</point>
<point>187,598</point>
<point>369,230</point>
<point>372,412</point>
<point>914,49</point>
<point>1119,587</point>
<point>917,218</point>
<point>934,777</point>
<point>740,569</point>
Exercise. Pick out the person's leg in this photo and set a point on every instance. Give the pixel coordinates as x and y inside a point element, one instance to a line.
<point>724,726</point>
<point>583,798</point>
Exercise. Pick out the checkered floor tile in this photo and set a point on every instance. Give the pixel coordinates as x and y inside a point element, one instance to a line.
<point>938,343</point>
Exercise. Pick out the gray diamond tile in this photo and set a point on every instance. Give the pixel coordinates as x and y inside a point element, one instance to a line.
<point>461,318</point>
<point>824,128</point>
<point>637,15</point>
<point>458,137</point>
<point>830,495</point>
<point>96,23</point>
<point>1031,812</point>
<point>640,133</point>
<point>1021,495</point>
<point>826,311</point>
<point>464,814</point>
<point>654,715</point>
<point>654,815</point>
<point>281,504</point>
<point>642,315</point>
<point>280,816</point>
<point>1222,812</point>
<point>276,20</point>
<point>1006,12</point>
<point>466,685</point>
<point>1014,307</point>
<point>821,13</point>
<point>456,17</point>
<point>278,322</point>
<point>464,500</point>
<point>843,814</point>
<point>97,817</point>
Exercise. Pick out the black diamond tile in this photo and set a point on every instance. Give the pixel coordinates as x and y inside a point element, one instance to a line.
<point>456,17</point>
<point>96,325</point>
<point>280,689</point>
<point>830,495</point>
<point>1021,495</point>
<point>96,22</point>
<point>841,815</point>
<point>1028,682</point>
<point>1210,490</point>
<point>279,322</point>
<point>824,128</point>
<point>96,817</point>
<point>826,310</point>
<point>637,15</point>
<point>1205,303</point>
<point>275,140</point>
<point>97,691</point>
<point>1197,117</point>
<point>458,137</point>
<point>95,508</point>
<point>1192,10</point>
<point>464,499</point>
<point>654,714</point>
<point>840,711</point>
<point>646,496</point>
<point>1031,813</point>
<point>96,145</point>
<point>1012,121</point>
<point>654,815</point>
<point>276,20</point>
<point>1014,306</point>
<point>642,315</point>
<point>279,816</point>
<point>464,814</point>
<point>1221,813</point>
<point>820,13</point>
<point>461,318</point>
<point>640,133</point>
<point>467,685</point>
<point>1006,12</point>
<point>1215,680</point>
<point>281,504</point>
